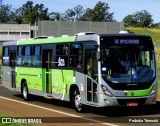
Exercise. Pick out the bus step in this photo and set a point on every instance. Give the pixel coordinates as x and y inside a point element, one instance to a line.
<point>48,97</point>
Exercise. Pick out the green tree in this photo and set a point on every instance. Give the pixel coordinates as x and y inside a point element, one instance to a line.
<point>87,16</point>
<point>19,15</point>
<point>98,13</point>
<point>69,15</point>
<point>30,13</point>
<point>144,18</point>
<point>5,12</point>
<point>139,19</point>
<point>54,16</point>
<point>41,12</point>
<point>130,20</point>
<point>79,10</point>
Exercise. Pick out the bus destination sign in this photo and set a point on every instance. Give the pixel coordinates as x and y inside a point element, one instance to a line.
<point>126,41</point>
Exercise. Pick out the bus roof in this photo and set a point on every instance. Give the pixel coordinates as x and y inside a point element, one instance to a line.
<point>124,34</point>
<point>8,43</point>
<point>47,40</point>
<point>87,37</point>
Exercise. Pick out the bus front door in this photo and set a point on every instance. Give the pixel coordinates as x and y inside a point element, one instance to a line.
<point>92,76</point>
<point>12,65</point>
<point>47,76</point>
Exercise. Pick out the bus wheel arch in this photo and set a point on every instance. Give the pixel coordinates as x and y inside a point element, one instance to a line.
<point>73,87</point>
<point>24,90</point>
<point>75,98</point>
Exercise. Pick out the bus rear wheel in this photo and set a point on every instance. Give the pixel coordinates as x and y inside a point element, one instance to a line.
<point>25,94</point>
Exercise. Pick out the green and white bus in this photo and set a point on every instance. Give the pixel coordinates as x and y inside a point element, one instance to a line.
<point>86,69</point>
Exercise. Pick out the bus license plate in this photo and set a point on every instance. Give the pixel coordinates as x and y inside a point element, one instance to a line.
<point>132,104</point>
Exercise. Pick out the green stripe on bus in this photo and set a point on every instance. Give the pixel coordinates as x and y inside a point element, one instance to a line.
<point>49,40</point>
<point>140,92</point>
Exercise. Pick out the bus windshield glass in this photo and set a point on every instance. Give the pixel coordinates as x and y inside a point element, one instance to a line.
<point>120,64</point>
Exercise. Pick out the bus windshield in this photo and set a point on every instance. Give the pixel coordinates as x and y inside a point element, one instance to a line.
<point>127,65</point>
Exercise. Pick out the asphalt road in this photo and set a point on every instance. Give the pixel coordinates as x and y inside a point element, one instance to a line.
<point>55,112</point>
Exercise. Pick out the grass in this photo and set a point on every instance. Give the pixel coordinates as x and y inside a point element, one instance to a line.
<point>153,32</point>
<point>157,51</point>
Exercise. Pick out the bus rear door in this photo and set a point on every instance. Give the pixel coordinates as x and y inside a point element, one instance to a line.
<point>12,65</point>
<point>47,76</point>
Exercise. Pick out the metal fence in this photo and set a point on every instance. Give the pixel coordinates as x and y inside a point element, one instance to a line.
<point>59,28</point>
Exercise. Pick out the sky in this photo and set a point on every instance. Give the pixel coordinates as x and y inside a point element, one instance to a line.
<point>121,8</point>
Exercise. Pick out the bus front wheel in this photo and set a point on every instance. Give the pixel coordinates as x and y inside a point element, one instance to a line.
<point>25,94</point>
<point>77,102</point>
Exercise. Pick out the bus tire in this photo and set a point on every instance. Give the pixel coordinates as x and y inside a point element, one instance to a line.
<point>77,102</point>
<point>25,94</point>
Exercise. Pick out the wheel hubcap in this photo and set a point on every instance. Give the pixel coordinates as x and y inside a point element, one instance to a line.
<point>25,92</point>
<point>78,102</point>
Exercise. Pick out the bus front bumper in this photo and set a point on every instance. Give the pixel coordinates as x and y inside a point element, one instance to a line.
<point>126,101</point>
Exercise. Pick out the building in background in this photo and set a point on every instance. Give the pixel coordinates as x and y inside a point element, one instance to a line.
<point>56,29</point>
<point>17,31</point>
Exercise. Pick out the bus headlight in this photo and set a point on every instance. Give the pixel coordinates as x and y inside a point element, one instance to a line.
<point>106,91</point>
<point>154,90</point>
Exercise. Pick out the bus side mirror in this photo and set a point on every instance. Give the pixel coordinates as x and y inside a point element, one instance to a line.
<point>98,56</point>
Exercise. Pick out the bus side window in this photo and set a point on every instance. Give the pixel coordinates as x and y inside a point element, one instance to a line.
<point>6,56</point>
<point>62,51</point>
<point>76,55</point>
<point>76,61</point>
<point>19,56</point>
<point>36,56</point>
<point>27,56</point>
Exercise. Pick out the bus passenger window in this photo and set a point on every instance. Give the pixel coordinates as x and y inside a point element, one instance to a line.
<point>76,61</point>
<point>79,65</point>
<point>27,56</point>
<point>19,56</point>
<point>62,49</point>
<point>76,49</point>
<point>19,51</point>
<point>35,61</point>
<point>6,51</point>
<point>76,55</point>
<point>37,50</point>
<point>19,60</point>
<point>62,52</point>
<point>36,56</point>
<point>6,56</point>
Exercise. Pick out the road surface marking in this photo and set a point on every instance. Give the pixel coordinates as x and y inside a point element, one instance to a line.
<point>64,113</point>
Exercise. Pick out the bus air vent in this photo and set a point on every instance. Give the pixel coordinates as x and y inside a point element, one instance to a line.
<point>43,37</point>
<point>84,33</point>
<point>65,35</point>
<point>123,32</point>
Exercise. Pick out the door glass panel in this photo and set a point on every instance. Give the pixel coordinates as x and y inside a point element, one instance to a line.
<point>89,90</point>
<point>95,92</point>
<point>92,73</point>
<point>47,65</point>
<point>12,64</point>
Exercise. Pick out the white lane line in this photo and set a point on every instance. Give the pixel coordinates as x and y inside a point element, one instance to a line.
<point>64,113</point>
